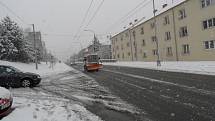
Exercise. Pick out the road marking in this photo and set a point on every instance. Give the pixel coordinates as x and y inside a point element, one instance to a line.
<point>193,89</point>
<point>131,84</point>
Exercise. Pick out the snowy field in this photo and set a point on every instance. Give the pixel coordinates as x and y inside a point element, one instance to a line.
<point>43,68</point>
<point>200,67</point>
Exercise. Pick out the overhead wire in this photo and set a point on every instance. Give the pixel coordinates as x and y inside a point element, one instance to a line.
<point>138,9</point>
<point>130,13</point>
<point>94,15</point>
<point>10,10</point>
<point>91,19</point>
<point>84,19</point>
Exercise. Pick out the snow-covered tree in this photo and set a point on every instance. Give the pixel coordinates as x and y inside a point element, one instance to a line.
<point>7,48</point>
<point>13,47</point>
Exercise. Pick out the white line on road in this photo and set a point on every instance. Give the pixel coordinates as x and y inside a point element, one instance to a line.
<point>131,84</point>
<point>193,89</point>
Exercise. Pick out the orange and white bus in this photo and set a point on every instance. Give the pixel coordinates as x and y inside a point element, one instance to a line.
<point>92,63</point>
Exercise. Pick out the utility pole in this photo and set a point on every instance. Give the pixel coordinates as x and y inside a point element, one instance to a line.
<point>157,44</point>
<point>132,57</point>
<point>94,35</point>
<point>174,28</point>
<point>35,47</point>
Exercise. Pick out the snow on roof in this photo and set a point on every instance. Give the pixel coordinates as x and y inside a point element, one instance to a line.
<point>163,10</point>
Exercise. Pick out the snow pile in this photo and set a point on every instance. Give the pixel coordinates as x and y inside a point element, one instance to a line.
<point>4,93</point>
<point>48,110</point>
<point>43,68</point>
<point>197,67</point>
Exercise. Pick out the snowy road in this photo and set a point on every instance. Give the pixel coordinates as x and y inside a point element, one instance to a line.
<point>164,96</point>
<point>70,96</point>
<point>86,91</point>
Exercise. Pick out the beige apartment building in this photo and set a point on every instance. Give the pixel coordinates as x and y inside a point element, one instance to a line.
<point>185,32</point>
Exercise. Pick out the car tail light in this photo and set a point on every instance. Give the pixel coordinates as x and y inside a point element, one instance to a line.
<point>4,101</point>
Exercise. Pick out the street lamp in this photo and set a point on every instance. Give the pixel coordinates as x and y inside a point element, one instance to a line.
<point>129,29</point>
<point>34,34</point>
<point>157,45</point>
<point>136,21</point>
<point>89,30</point>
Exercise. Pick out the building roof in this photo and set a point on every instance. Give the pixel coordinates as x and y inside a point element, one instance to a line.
<point>176,4</point>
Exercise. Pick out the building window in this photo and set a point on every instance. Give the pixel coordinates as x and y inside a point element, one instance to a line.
<point>169,51</point>
<point>126,34</point>
<point>205,24</point>
<point>166,20</point>
<point>209,44</point>
<point>208,23</point>
<point>183,32</point>
<point>112,41</point>
<point>142,30</point>
<point>134,43</point>
<point>116,40</point>
<point>128,44</point>
<point>123,56</point>
<point>129,53</point>
<point>167,36</point>
<point>214,21</point>
<point>206,3</point>
<point>153,25</point>
<point>134,34</point>
<point>144,43</point>
<point>186,49</point>
<point>117,47</point>
<point>122,38</point>
<point>182,14</point>
<point>144,55</point>
<point>154,38</point>
<point>121,47</point>
<point>118,56</point>
<point>155,52</point>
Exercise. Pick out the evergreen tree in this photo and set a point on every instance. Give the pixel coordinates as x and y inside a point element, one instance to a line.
<point>7,48</point>
<point>13,46</point>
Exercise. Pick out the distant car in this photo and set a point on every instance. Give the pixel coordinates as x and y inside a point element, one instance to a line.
<point>72,63</point>
<point>6,101</point>
<point>13,77</point>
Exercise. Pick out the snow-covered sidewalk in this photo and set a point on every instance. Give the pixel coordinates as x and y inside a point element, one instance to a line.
<point>199,67</point>
<point>43,68</point>
<point>32,105</point>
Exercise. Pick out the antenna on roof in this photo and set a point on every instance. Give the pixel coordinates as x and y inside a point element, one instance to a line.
<point>165,4</point>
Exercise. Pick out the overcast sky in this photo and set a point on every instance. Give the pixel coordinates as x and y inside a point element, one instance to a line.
<point>59,20</point>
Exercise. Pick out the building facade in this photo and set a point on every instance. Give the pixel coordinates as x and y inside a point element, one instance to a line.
<point>185,32</point>
<point>103,51</point>
<point>39,44</point>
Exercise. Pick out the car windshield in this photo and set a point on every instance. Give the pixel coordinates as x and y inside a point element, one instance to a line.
<point>15,69</point>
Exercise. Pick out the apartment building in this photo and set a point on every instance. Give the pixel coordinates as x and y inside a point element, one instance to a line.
<point>185,32</point>
<point>39,44</point>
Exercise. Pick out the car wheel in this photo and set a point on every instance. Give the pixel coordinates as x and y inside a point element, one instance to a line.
<point>26,83</point>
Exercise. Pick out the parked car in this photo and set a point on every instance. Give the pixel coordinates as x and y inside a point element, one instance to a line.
<point>6,101</point>
<point>13,77</point>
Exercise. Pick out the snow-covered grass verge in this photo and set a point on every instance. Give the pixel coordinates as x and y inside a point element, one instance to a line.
<point>38,106</point>
<point>197,67</point>
<point>43,68</point>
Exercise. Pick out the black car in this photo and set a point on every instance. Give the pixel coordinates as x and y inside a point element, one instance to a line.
<point>13,77</point>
